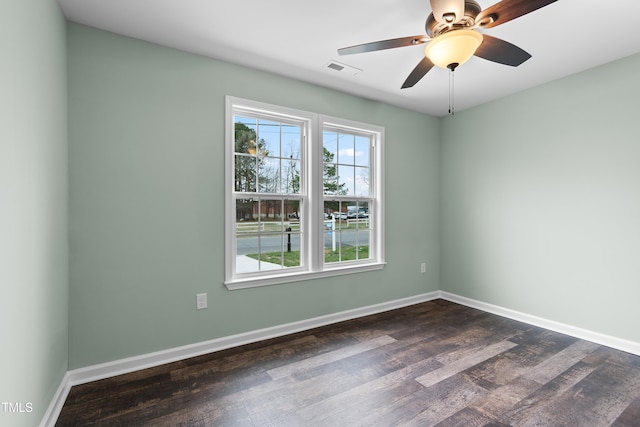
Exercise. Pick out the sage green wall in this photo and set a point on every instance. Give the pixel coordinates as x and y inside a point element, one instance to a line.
<point>33,217</point>
<point>541,201</point>
<point>146,200</point>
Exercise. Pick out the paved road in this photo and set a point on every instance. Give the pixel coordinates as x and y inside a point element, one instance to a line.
<point>249,245</point>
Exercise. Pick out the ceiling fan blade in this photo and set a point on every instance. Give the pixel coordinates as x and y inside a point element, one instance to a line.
<point>506,10</point>
<point>447,11</point>
<point>419,72</point>
<point>384,44</point>
<point>500,51</point>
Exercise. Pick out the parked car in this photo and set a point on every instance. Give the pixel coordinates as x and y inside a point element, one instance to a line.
<point>359,214</point>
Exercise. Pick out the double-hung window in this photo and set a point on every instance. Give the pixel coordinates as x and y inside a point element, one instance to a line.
<point>303,196</point>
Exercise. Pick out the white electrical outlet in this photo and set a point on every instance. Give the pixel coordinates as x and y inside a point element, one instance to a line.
<point>423,267</point>
<point>201,301</point>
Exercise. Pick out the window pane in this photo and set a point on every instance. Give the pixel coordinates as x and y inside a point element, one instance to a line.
<point>245,173</point>
<point>279,251</point>
<point>269,136</point>
<point>268,175</point>
<point>290,176</point>
<point>292,233</point>
<point>330,180</point>
<point>362,150</point>
<point>346,149</point>
<point>267,156</point>
<point>246,218</point>
<point>245,133</point>
<point>291,141</point>
<point>346,244</point>
<point>363,238</point>
<point>362,177</point>
<point>291,252</point>
<point>293,208</point>
<point>331,237</point>
<point>268,234</point>
<point>330,146</point>
<point>271,214</point>
<point>348,232</point>
<point>247,248</point>
<point>346,179</point>
<point>332,209</point>
<point>346,164</point>
<point>247,235</point>
<point>363,211</point>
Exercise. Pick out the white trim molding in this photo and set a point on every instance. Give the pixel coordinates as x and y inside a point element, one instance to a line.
<point>596,337</point>
<point>55,407</point>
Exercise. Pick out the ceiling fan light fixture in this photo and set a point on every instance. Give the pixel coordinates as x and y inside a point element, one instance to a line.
<point>454,47</point>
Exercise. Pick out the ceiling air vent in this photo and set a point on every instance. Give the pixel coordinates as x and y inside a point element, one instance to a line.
<point>343,68</point>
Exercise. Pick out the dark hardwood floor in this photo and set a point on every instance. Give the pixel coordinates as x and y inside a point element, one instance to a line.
<point>431,364</point>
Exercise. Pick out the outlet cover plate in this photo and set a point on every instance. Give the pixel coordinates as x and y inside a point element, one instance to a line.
<point>201,301</point>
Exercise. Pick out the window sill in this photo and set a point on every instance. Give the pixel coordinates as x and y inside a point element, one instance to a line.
<point>275,279</point>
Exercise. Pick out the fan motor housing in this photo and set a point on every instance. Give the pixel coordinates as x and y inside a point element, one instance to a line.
<point>471,9</point>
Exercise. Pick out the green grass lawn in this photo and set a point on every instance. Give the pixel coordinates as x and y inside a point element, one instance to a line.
<point>292,259</point>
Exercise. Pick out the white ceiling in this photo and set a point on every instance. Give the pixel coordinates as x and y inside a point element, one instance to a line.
<point>299,38</point>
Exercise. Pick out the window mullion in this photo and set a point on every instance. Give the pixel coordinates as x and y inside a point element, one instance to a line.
<point>313,144</point>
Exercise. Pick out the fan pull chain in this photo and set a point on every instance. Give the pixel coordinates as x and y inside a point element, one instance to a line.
<point>451,92</point>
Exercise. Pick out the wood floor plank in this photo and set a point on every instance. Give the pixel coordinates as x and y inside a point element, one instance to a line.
<point>503,399</point>
<point>444,399</point>
<point>535,406</point>
<point>560,362</point>
<point>531,349</point>
<point>469,417</point>
<point>382,389</point>
<point>630,417</point>
<point>480,355</point>
<point>366,409</point>
<point>329,357</point>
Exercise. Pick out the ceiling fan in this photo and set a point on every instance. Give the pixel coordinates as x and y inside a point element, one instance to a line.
<point>453,37</point>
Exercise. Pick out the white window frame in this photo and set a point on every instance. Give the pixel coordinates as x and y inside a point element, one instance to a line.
<point>312,242</point>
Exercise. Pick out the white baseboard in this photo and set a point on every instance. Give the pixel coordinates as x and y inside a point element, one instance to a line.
<point>136,363</point>
<point>55,407</point>
<point>596,337</point>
